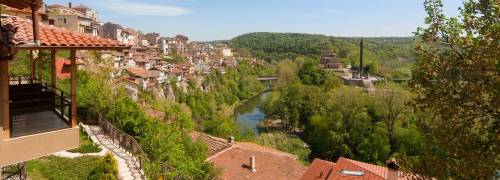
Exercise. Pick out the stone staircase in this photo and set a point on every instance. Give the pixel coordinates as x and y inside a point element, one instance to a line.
<point>128,165</point>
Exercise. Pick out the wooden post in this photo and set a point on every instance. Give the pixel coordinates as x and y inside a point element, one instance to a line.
<point>53,69</point>
<point>4,93</point>
<point>32,66</point>
<point>73,88</point>
<point>36,33</point>
<point>39,60</point>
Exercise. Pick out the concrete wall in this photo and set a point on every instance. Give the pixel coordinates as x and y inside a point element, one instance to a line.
<point>30,147</point>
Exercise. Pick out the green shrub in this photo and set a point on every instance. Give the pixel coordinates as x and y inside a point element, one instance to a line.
<point>107,169</point>
<point>288,143</point>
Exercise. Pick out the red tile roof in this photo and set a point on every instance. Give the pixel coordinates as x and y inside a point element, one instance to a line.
<point>61,71</point>
<point>137,72</point>
<point>233,159</point>
<point>334,171</point>
<point>176,71</point>
<point>270,164</point>
<point>375,169</point>
<point>143,73</point>
<point>319,169</point>
<point>126,80</point>
<point>16,31</point>
<point>215,145</point>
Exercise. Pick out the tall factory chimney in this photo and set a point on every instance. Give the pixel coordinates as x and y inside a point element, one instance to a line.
<point>361,68</point>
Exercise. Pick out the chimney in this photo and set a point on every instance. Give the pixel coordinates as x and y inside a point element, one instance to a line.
<point>393,168</point>
<point>392,164</point>
<point>231,139</point>
<point>252,164</point>
<point>70,5</point>
<point>361,72</point>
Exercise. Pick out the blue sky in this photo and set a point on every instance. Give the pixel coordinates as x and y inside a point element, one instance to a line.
<point>224,19</point>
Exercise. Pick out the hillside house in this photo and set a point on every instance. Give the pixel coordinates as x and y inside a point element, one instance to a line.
<point>146,78</point>
<point>181,43</point>
<point>152,38</point>
<point>37,117</point>
<point>131,86</point>
<point>82,19</point>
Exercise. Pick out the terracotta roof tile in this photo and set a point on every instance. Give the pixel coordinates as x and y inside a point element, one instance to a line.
<point>214,144</point>
<point>319,169</point>
<point>143,73</point>
<point>234,163</point>
<point>233,159</point>
<point>18,32</point>
<point>61,71</point>
<point>137,72</point>
<point>368,171</point>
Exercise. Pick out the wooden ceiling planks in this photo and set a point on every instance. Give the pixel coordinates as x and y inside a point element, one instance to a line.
<point>22,4</point>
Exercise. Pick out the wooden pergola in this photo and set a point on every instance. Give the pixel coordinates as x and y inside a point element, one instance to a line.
<point>18,34</point>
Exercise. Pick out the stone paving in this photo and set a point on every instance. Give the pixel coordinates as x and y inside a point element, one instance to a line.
<point>128,166</point>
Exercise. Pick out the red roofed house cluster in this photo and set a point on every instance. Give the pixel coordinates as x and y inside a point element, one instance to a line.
<point>245,160</point>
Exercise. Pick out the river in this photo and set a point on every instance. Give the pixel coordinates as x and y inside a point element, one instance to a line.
<point>249,113</point>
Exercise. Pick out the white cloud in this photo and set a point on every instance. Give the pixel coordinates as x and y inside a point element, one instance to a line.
<point>144,9</point>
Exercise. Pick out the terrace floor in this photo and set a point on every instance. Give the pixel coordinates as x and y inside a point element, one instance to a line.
<point>33,123</point>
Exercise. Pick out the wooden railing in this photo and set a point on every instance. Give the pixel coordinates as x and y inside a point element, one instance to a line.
<point>62,105</point>
<point>62,100</point>
<point>14,172</point>
<point>21,79</point>
<point>123,140</point>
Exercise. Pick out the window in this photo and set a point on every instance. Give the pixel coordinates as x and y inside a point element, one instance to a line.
<point>352,173</point>
<point>64,20</point>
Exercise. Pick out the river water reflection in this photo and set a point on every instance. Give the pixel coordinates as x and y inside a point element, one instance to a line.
<point>249,114</point>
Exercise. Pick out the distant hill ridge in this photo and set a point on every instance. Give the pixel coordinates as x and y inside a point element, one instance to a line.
<point>388,52</point>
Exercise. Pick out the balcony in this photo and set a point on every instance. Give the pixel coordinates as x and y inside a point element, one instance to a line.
<point>39,121</point>
<point>36,108</point>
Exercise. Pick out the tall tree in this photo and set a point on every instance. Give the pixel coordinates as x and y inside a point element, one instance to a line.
<point>458,84</point>
<point>390,106</point>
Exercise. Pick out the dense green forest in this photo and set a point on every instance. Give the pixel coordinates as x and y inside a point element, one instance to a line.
<point>342,121</point>
<point>389,56</point>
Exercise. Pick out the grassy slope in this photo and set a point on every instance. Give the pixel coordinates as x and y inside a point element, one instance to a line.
<point>53,167</point>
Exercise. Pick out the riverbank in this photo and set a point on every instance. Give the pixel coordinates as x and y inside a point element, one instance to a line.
<point>248,114</point>
<point>240,102</point>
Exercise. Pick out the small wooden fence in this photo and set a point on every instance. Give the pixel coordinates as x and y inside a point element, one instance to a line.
<point>124,140</point>
<point>118,137</point>
<point>14,172</point>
